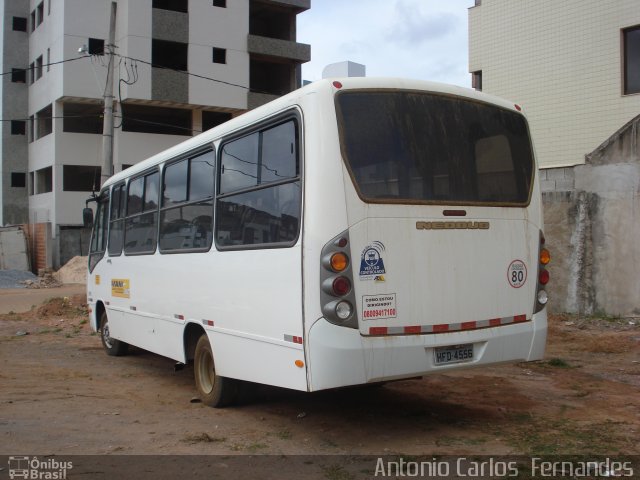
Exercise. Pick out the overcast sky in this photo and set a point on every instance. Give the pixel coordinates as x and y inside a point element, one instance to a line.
<point>422,39</point>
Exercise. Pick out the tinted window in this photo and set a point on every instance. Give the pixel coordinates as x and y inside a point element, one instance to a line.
<point>201,176</point>
<point>99,233</point>
<point>151,192</point>
<point>413,146</point>
<point>239,164</point>
<point>136,191</point>
<point>265,216</point>
<point>175,183</point>
<point>186,221</point>
<point>116,227</point>
<point>278,154</point>
<point>141,224</point>
<point>264,165</point>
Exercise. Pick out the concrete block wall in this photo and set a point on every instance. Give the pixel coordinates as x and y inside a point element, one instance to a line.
<point>592,223</point>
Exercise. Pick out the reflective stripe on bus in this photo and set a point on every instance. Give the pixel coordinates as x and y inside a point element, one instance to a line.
<point>293,339</point>
<point>446,327</point>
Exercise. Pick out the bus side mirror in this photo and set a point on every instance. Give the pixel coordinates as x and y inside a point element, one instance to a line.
<point>87,217</point>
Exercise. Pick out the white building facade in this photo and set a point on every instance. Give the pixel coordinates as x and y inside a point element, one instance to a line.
<point>573,65</point>
<point>181,67</point>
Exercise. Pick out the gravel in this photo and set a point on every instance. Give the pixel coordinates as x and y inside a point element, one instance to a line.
<point>12,278</point>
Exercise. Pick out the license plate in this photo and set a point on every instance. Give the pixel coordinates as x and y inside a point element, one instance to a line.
<point>453,354</point>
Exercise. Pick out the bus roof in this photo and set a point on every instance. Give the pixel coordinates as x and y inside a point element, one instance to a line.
<point>326,86</point>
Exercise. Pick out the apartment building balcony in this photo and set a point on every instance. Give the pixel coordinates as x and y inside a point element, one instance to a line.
<point>297,6</point>
<point>284,50</point>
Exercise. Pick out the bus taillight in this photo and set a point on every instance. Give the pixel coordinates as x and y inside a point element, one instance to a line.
<point>337,297</point>
<point>543,276</point>
<point>339,261</point>
<point>341,286</point>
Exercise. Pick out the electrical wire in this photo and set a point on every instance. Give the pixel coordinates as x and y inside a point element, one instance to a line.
<point>185,72</point>
<point>35,67</point>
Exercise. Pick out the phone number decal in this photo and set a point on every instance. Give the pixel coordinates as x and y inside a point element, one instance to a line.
<point>375,307</point>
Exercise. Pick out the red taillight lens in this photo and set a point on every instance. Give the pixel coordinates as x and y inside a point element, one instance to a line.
<point>544,277</point>
<point>341,286</point>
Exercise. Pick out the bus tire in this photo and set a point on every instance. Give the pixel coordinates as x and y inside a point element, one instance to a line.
<point>213,390</point>
<point>113,347</point>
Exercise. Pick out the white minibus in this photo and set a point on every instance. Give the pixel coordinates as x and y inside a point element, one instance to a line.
<point>354,231</point>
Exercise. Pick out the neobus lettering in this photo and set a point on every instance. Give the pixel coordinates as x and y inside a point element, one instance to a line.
<point>452,225</point>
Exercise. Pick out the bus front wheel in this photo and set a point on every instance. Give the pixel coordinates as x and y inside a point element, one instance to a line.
<point>113,347</point>
<point>213,390</point>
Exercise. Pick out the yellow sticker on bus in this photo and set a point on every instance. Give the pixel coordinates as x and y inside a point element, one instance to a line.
<point>120,287</point>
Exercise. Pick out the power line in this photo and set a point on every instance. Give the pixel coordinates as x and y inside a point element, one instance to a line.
<point>35,67</point>
<point>49,118</point>
<point>123,117</point>
<point>185,72</point>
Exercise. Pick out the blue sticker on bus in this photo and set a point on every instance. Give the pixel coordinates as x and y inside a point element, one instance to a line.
<point>371,262</point>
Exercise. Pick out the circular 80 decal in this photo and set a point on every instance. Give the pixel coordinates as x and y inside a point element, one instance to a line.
<point>517,273</point>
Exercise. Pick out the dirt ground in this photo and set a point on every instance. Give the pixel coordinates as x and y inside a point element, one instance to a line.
<point>61,394</point>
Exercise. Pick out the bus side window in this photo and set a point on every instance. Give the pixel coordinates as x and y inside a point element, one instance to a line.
<point>141,223</point>
<point>260,192</point>
<point>116,220</point>
<point>186,218</point>
<point>99,234</point>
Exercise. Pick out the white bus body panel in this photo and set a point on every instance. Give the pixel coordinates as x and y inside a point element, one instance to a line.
<point>343,359</point>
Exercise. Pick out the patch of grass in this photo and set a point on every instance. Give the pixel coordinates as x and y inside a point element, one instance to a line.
<point>56,330</point>
<point>284,435</point>
<point>254,447</point>
<point>568,438</point>
<point>83,322</point>
<point>558,362</point>
<point>607,317</point>
<point>451,441</point>
<point>44,330</point>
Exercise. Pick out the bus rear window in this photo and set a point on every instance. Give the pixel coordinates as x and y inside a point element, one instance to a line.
<point>417,147</point>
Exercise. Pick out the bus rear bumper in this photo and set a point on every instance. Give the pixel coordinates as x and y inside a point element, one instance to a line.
<point>339,356</point>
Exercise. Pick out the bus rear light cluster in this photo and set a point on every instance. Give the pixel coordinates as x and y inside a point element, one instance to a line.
<point>543,276</point>
<point>336,283</point>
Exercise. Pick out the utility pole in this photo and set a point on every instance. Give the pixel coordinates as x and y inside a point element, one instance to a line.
<point>107,126</point>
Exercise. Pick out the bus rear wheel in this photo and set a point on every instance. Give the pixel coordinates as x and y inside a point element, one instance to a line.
<point>213,390</point>
<point>113,347</point>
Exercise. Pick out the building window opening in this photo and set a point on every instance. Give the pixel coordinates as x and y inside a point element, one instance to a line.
<point>39,68</point>
<point>82,118</point>
<point>159,120</point>
<point>172,5</point>
<point>81,178</point>
<point>219,55</point>
<point>213,119</point>
<point>19,24</point>
<point>18,127</point>
<point>96,46</point>
<point>172,55</point>
<point>44,122</point>
<point>44,180</point>
<point>40,13</point>
<point>18,75</point>
<point>476,80</point>
<point>631,45</point>
<point>18,179</point>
